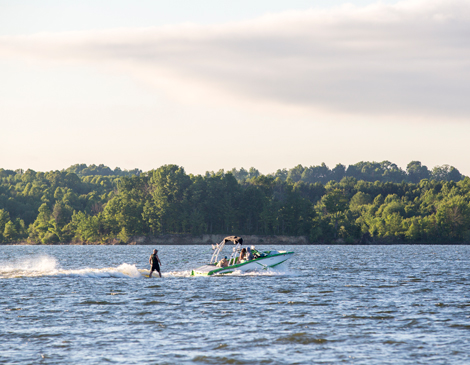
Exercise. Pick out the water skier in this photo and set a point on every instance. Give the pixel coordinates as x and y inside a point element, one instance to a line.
<point>155,263</point>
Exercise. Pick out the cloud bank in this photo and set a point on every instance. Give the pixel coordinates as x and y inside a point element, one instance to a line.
<point>410,59</point>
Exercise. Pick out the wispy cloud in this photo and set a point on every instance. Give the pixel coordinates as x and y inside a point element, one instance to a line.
<point>412,58</point>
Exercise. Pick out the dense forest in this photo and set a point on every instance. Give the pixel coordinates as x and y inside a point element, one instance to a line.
<point>363,203</point>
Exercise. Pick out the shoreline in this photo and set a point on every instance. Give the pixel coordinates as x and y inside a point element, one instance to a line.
<point>210,239</point>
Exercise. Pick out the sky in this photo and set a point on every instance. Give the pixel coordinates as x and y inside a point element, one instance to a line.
<point>214,84</point>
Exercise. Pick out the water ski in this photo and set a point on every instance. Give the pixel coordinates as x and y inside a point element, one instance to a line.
<point>153,276</point>
<point>145,274</point>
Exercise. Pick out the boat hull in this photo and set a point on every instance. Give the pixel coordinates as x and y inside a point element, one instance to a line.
<point>262,263</point>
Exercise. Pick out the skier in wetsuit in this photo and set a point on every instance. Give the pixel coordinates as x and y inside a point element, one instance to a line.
<point>155,263</point>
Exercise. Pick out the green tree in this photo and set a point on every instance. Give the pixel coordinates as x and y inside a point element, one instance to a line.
<point>169,186</point>
<point>334,203</point>
<point>446,173</point>
<point>360,199</point>
<point>123,236</point>
<point>417,172</point>
<point>295,174</point>
<point>39,230</point>
<point>453,217</point>
<point>4,219</point>
<point>10,233</point>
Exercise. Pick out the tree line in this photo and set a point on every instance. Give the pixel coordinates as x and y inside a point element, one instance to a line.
<point>384,171</point>
<point>363,203</point>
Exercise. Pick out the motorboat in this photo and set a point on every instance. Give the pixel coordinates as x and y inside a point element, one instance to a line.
<point>253,260</point>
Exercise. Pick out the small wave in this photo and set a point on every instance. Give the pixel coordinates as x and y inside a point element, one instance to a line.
<point>218,360</point>
<point>301,338</point>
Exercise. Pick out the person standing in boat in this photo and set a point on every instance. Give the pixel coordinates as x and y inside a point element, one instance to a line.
<point>155,263</point>
<point>249,255</point>
<point>242,255</point>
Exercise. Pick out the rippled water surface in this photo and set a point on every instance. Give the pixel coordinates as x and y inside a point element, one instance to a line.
<point>327,305</point>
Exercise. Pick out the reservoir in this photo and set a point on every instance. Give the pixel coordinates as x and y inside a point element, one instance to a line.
<point>407,304</point>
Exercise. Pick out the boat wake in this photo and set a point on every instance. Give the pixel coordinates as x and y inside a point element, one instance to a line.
<point>170,274</point>
<point>281,270</point>
<point>48,266</point>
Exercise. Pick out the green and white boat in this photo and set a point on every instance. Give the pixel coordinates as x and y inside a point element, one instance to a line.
<point>255,260</point>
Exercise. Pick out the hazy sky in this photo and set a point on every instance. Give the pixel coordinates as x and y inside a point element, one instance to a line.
<point>215,84</point>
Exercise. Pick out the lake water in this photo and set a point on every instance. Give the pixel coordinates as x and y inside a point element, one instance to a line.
<point>328,305</point>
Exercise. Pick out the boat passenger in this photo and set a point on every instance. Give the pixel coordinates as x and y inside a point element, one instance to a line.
<point>249,255</point>
<point>223,262</point>
<point>242,255</point>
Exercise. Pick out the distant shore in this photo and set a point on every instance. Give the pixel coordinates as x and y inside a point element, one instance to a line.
<point>208,239</point>
<point>188,239</point>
